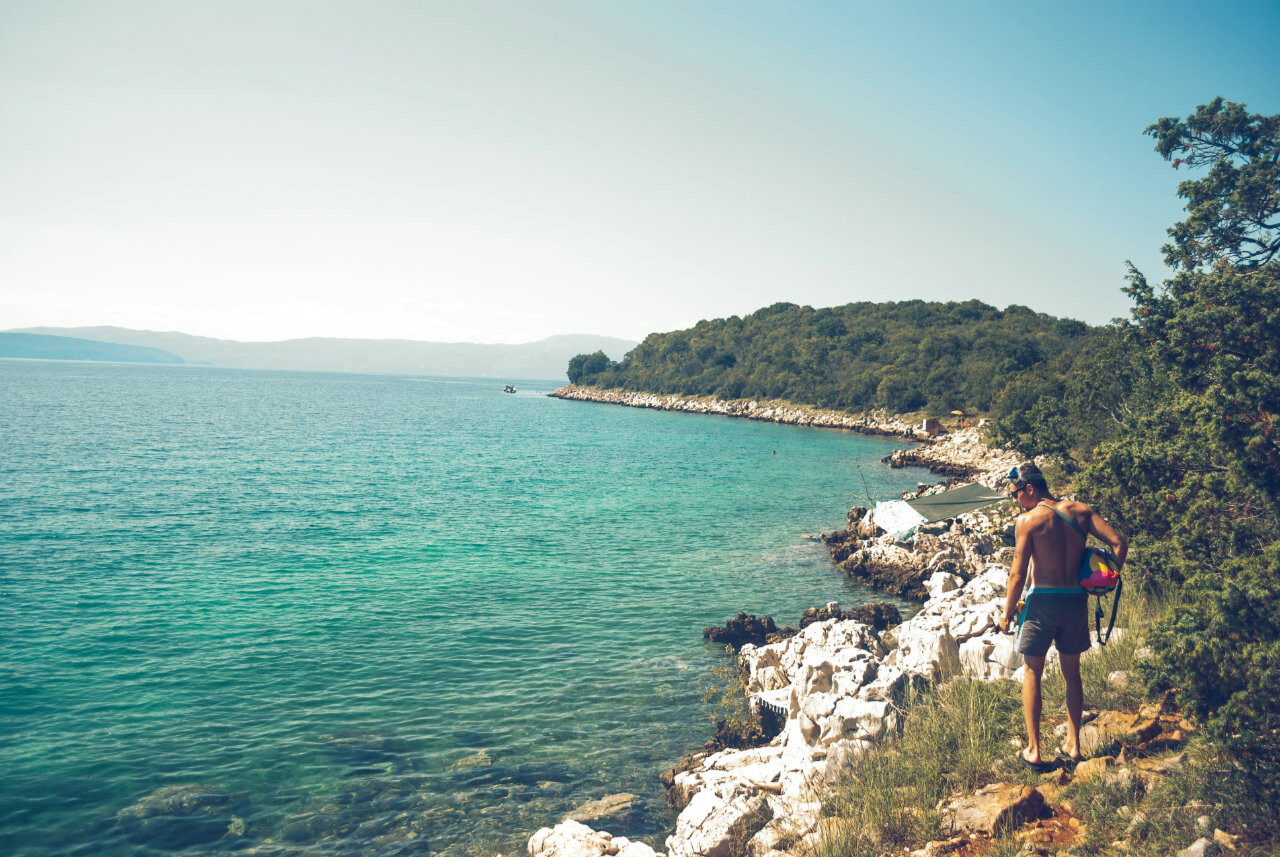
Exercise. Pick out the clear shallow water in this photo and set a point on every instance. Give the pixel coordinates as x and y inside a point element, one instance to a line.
<point>343,614</point>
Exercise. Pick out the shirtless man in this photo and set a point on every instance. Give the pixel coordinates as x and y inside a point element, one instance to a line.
<point>1050,541</point>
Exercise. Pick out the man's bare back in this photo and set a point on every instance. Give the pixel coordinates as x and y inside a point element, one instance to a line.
<point>1055,547</point>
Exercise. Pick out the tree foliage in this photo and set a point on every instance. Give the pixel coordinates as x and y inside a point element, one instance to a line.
<point>1068,406</point>
<point>1219,333</point>
<point>1222,656</point>
<point>585,365</point>
<point>905,356</point>
<point>1232,209</point>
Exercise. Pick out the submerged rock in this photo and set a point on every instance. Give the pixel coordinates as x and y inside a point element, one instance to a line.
<point>609,805</point>
<point>476,760</point>
<point>176,817</point>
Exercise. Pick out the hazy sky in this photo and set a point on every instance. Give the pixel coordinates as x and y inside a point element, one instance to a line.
<point>501,172</point>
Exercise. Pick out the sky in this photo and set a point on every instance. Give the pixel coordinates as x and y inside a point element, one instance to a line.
<point>506,171</point>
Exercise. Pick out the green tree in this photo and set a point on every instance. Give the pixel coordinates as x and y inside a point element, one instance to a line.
<point>1201,472</point>
<point>1232,209</point>
<point>1217,320</point>
<point>584,367</point>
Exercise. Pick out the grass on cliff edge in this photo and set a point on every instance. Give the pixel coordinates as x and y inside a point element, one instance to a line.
<point>951,737</point>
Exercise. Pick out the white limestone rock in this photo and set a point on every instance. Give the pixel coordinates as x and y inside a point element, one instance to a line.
<point>928,652</point>
<point>715,819</point>
<point>575,839</point>
<point>941,582</point>
<point>627,848</point>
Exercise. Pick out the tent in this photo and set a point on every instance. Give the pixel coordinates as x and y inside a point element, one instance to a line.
<point>901,516</point>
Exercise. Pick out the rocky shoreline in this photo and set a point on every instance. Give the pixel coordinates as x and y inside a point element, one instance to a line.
<point>958,453</point>
<point>838,681</point>
<point>877,422</point>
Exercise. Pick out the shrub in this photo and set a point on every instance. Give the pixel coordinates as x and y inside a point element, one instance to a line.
<point>1221,654</point>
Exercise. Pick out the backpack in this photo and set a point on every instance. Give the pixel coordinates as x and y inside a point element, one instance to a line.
<point>1099,576</point>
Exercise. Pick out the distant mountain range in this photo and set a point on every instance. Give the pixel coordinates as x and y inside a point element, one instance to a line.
<point>545,359</point>
<point>33,346</point>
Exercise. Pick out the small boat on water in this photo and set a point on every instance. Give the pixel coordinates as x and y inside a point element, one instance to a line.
<point>508,389</point>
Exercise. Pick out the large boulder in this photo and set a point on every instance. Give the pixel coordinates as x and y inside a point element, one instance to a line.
<point>994,807</point>
<point>941,582</point>
<point>574,839</point>
<point>928,652</point>
<point>989,657</point>
<point>719,821</point>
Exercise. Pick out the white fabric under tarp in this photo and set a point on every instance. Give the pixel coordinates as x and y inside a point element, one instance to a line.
<point>900,517</point>
<point>778,701</point>
<point>897,517</point>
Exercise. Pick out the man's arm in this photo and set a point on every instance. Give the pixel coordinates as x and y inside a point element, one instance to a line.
<point>1105,532</point>
<point>1017,573</point>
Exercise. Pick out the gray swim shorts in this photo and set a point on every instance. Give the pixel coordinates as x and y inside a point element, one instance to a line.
<point>1057,617</point>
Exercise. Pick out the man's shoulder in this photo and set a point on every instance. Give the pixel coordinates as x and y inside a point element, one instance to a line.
<point>1037,511</point>
<point>1032,517</point>
<point>1078,507</point>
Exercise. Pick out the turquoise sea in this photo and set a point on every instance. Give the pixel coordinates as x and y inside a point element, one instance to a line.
<point>297,614</point>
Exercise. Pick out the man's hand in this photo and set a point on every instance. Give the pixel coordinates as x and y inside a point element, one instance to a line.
<point>1004,625</point>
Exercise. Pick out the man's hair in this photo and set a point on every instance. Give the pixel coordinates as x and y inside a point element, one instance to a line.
<point>1027,473</point>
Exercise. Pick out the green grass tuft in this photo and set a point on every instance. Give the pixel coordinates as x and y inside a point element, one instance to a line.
<point>951,740</point>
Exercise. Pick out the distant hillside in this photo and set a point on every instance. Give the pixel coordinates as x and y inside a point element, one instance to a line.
<point>545,359</point>
<point>34,346</point>
<point>904,356</point>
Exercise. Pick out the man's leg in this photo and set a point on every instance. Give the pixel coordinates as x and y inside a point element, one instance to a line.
<point>1075,704</point>
<point>1031,705</point>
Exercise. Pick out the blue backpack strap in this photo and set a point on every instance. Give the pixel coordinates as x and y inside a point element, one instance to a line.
<point>1064,516</point>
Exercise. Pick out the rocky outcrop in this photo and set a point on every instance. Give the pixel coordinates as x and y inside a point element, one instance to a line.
<point>960,453</point>
<point>740,630</point>
<point>839,682</point>
<point>1154,726</point>
<point>938,557</point>
<point>840,685</point>
<point>879,616</point>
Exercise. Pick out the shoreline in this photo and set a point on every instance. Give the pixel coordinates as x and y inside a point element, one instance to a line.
<point>958,453</point>
<point>837,681</point>
<point>762,410</point>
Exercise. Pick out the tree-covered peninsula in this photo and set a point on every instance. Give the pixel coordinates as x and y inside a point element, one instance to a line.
<point>904,356</point>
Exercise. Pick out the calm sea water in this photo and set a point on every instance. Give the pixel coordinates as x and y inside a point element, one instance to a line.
<point>289,613</point>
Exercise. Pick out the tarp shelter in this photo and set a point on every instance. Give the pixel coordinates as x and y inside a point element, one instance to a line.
<point>902,516</point>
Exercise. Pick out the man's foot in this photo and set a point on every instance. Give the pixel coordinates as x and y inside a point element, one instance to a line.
<point>1033,761</point>
<point>1070,756</point>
